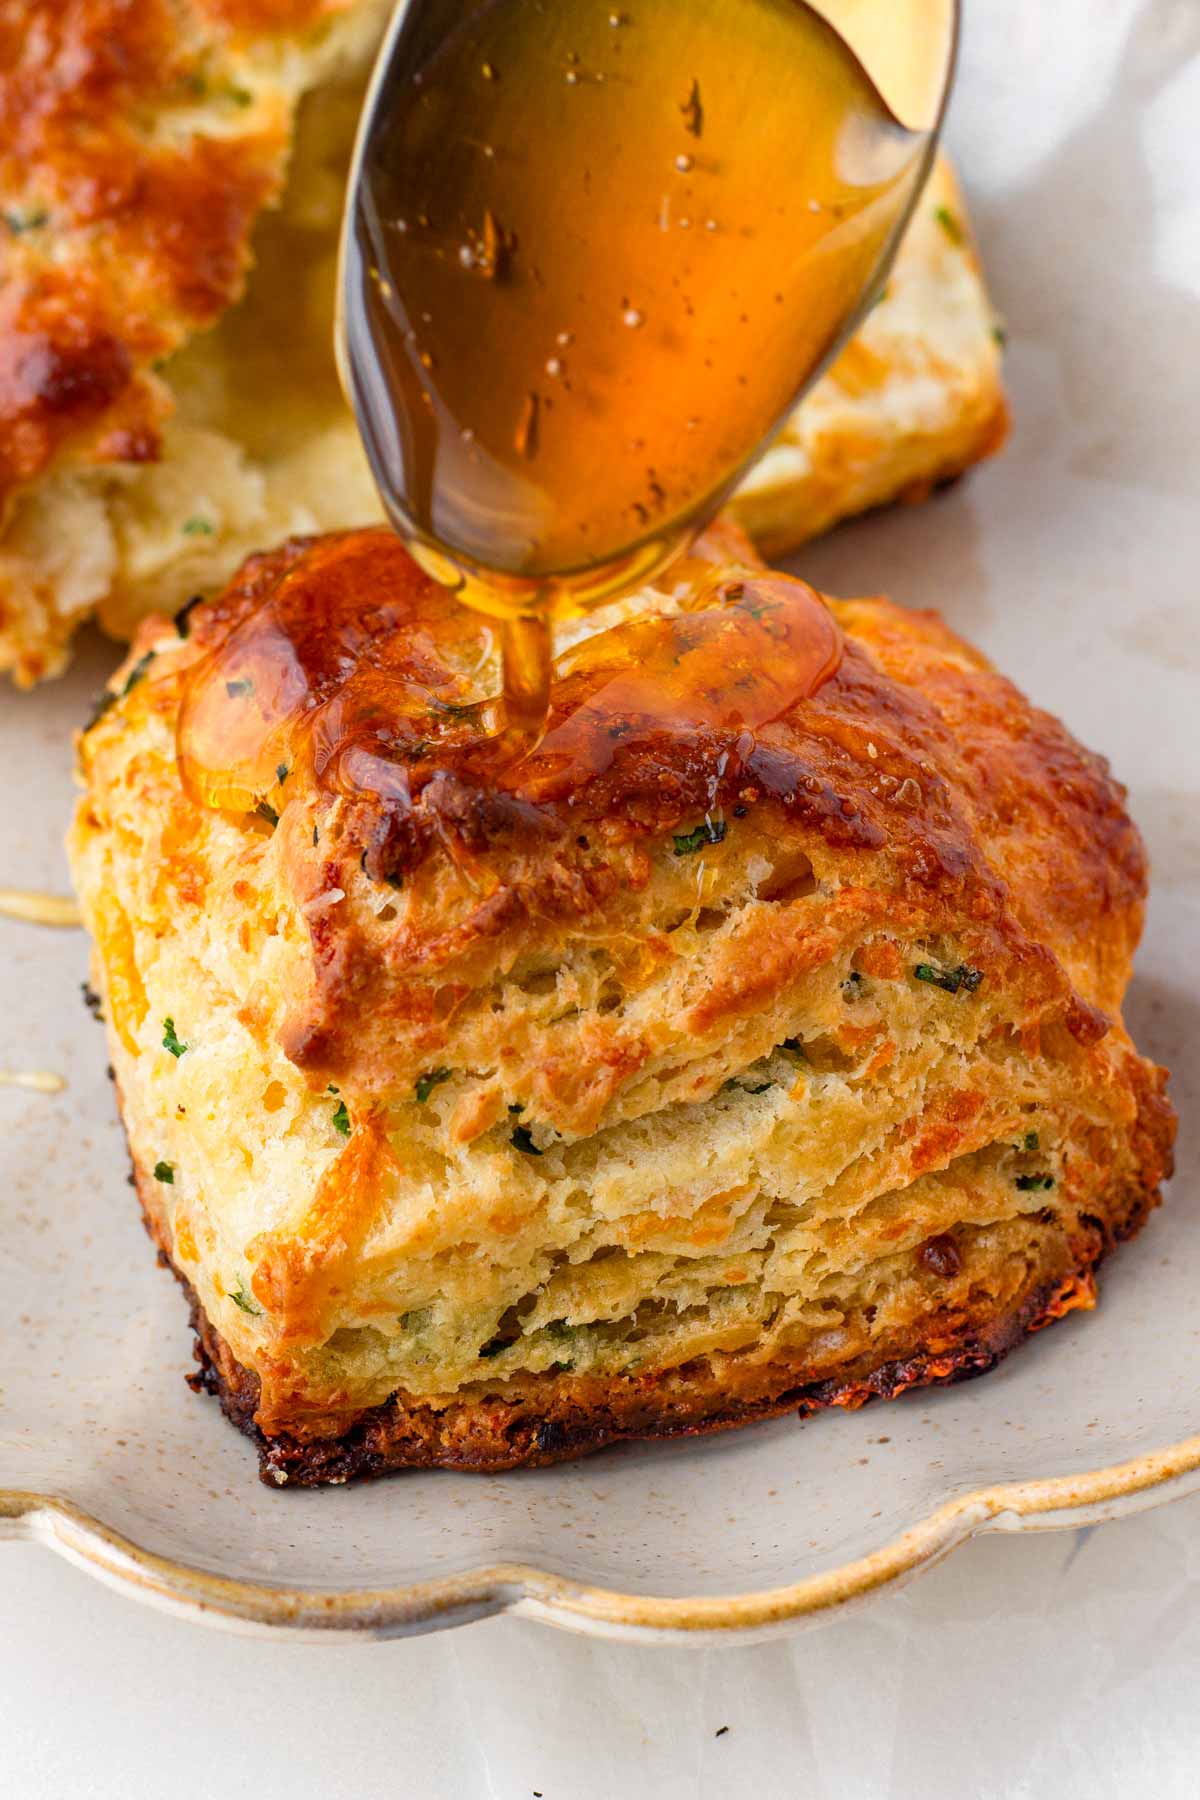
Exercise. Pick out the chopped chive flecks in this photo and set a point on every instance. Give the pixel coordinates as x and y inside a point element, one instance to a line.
<point>266,811</point>
<point>242,1299</point>
<point>33,220</point>
<point>1032,1184</point>
<point>183,618</point>
<point>710,831</point>
<point>137,673</point>
<point>951,224</point>
<point>428,1081</point>
<point>522,1140</point>
<point>165,1171</point>
<point>950,980</point>
<point>171,1040</point>
<point>197,526</point>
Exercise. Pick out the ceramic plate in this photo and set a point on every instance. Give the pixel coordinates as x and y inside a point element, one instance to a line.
<point>1073,560</point>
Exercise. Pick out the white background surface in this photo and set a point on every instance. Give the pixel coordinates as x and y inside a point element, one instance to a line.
<point>1064,1664</point>
<point>1043,1667</point>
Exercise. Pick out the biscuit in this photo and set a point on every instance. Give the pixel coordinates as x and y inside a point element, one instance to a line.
<point>142,453</point>
<point>733,1054</point>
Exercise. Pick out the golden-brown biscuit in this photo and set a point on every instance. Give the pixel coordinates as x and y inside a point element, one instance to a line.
<point>168,397</point>
<point>737,1052</point>
<point>140,452</point>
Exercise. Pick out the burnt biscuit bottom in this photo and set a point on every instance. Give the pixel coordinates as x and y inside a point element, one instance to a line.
<point>546,1420</point>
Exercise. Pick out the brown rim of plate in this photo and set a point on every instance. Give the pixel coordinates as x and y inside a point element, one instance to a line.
<point>1045,1504</point>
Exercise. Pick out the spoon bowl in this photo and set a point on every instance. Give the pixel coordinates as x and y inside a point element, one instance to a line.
<point>590,260</point>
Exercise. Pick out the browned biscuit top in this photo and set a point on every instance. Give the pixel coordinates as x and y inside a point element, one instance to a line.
<point>137,146</point>
<point>912,790</point>
<point>908,745</point>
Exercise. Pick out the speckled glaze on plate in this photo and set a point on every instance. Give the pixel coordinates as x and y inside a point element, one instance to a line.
<point>1072,560</point>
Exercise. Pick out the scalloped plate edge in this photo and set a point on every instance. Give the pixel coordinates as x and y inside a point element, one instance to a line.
<point>258,1609</point>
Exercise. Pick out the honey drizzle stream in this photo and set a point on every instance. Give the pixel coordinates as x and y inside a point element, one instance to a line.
<point>527,668</point>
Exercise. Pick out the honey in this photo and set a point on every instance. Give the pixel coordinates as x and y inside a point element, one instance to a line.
<point>39,908</point>
<point>356,676</point>
<point>594,255</point>
<point>35,1081</point>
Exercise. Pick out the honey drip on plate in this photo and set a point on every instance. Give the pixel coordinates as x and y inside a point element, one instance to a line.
<point>38,908</point>
<point>316,686</point>
<point>36,1081</point>
<point>593,257</point>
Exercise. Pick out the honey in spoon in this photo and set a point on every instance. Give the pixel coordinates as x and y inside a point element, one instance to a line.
<point>591,257</point>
